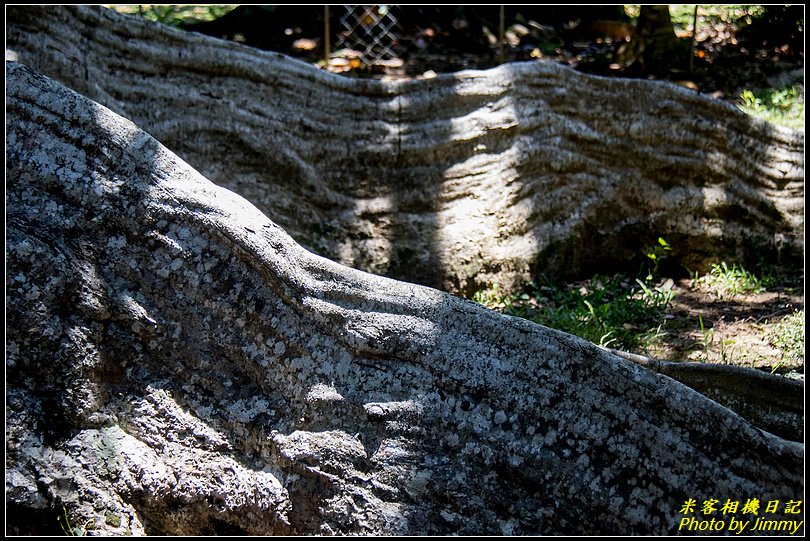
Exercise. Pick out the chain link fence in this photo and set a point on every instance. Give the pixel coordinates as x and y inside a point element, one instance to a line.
<point>369,30</point>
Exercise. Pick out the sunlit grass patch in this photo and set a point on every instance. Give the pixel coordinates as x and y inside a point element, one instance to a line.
<point>726,281</point>
<point>788,336</point>
<point>784,107</point>
<point>175,15</point>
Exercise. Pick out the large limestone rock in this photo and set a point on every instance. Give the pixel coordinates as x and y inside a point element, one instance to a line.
<point>457,182</point>
<point>177,364</point>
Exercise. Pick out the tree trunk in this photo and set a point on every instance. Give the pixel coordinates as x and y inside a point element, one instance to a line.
<point>653,45</point>
<point>771,402</point>
<point>458,182</point>
<point>177,364</point>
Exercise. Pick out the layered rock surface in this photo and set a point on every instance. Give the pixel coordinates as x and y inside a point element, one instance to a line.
<point>177,364</point>
<point>458,182</point>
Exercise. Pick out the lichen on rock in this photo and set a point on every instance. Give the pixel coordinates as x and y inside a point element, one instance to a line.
<point>177,364</point>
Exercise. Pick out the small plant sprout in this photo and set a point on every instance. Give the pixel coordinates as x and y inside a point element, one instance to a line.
<point>73,531</point>
<point>708,337</point>
<point>64,523</point>
<point>656,254</point>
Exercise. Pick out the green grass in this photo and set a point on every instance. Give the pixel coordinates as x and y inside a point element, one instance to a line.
<point>615,311</point>
<point>788,337</point>
<point>174,15</point>
<point>783,107</point>
<point>609,311</point>
<point>727,282</point>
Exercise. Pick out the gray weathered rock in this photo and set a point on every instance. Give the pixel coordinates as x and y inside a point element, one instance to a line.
<point>177,364</point>
<point>457,182</point>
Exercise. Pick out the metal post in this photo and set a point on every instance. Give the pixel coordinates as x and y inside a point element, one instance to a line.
<point>501,54</point>
<point>326,38</point>
<point>694,40</point>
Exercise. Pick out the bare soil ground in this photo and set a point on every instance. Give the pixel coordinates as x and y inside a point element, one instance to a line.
<point>738,330</point>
